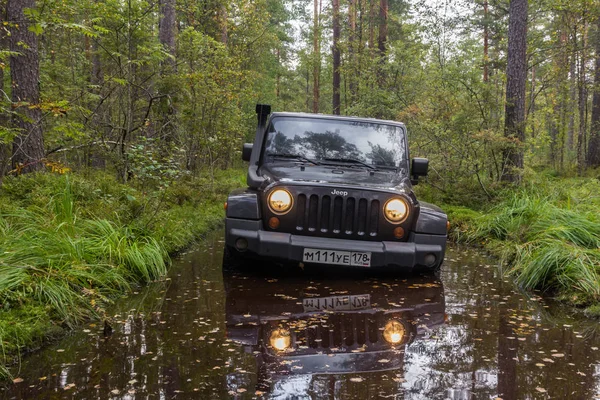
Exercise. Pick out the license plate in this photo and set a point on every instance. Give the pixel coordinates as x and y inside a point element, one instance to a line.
<point>337,303</point>
<point>356,258</point>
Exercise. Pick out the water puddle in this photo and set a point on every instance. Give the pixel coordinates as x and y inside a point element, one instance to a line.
<point>468,334</point>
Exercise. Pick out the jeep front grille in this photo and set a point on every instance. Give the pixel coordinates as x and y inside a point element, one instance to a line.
<point>337,215</point>
<point>341,331</point>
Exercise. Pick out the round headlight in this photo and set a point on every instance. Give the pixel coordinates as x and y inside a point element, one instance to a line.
<point>395,210</point>
<point>280,201</point>
<point>394,332</point>
<point>280,339</point>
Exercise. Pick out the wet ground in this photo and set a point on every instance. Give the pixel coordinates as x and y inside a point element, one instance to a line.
<point>467,335</point>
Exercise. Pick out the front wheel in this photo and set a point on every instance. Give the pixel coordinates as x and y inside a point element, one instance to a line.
<point>231,259</point>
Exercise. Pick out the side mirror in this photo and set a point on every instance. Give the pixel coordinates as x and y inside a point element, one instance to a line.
<point>419,167</point>
<point>246,151</point>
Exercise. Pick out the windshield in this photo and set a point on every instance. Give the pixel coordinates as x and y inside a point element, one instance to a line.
<point>323,141</point>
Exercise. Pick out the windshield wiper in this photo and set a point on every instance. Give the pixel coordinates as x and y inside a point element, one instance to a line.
<point>350,160</point>
<point>294,156</point>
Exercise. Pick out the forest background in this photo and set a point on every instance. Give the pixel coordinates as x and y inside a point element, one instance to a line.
<point>121,124</point>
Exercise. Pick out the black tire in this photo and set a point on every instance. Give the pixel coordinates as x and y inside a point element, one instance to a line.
<point>231,259</point>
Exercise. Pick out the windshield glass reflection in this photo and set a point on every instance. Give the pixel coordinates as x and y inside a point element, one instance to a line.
<point>336,140</point>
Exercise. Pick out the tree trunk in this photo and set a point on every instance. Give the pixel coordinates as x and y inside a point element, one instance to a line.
<point>4,120</point>
<point>570,99</point>
<point>166,30</point>
<point>516,75</point>
<point>351,74</point>
<point>532,102</point>
<point>316,58</point>
<point>382,40</point>
<point>593,153</point>
<point>278,75</point>
<point>336,57</point>
<point>371,24</point>
<point>486,46</point>
<point>223,22</point>
<point>583,96</point>
<point>28,146</point>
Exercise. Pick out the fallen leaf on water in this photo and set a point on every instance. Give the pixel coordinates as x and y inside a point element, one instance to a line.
<point>69,386</point>
<point>241,390</point>
<point>17,380</point>
<point>540,365</point>
<point>558,355</point>
<point>115,391</point>
<point>131,382</point>
<point>541,390</point>
<point>60,350</point>
<point>358,379</point>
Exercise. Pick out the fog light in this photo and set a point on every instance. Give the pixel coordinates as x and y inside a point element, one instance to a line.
<point>280,339</point>
<point>430,259</point>
<point>273,222</point>
<point>394,332</point>
<point>241,244</point>
<point>399,232</point>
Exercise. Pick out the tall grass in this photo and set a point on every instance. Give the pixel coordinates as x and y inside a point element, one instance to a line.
<point>547,242</point>
<point>72,264</point>
<point>69,245</point>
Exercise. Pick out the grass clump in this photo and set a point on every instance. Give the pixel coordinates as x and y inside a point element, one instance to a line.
<point>548,236</point>
<point>69,245</point>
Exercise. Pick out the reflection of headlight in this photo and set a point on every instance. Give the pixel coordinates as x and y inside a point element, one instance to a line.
<point>280,201</point>
<point>280,339</point>
<point>395,210</point>
<point>394,332</point>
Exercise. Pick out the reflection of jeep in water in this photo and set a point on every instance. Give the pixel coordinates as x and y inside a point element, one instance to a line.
<point>333,190</point>
<point>294,328</point>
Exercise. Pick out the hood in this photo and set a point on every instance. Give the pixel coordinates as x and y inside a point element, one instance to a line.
<point>296,172</point>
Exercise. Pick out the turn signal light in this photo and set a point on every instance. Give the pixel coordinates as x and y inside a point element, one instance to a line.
<point>399,232</point>
<point>273,222</point>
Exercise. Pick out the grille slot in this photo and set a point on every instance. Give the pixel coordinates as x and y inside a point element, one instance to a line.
<point>301,214</point>
<point>337,215</point>
<point>313,211</point>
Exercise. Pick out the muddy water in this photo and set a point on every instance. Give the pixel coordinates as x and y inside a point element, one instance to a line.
<point>467,335</point>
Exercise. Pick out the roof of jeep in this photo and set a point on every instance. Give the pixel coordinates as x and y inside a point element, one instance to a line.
<point>334,117</point>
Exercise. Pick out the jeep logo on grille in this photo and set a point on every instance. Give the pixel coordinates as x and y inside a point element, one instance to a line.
<point>339,193</point>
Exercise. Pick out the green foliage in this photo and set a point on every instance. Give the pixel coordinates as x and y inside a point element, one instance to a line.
<point>71,244</point>
<point>548,235</point>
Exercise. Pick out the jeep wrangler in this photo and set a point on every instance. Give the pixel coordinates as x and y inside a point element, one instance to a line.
<point>335,191</point>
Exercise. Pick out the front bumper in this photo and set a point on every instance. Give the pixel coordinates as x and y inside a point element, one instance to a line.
<point>286,247</point>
